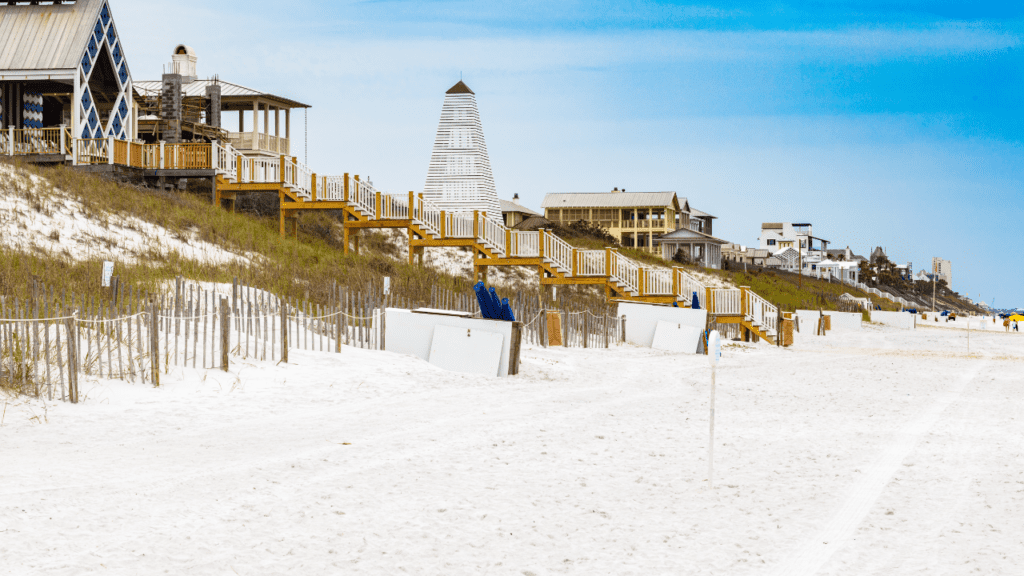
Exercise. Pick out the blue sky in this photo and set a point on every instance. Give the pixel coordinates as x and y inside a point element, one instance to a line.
<point>897,124</point>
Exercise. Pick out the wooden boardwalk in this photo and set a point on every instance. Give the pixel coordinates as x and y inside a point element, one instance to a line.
<point>364,207</point>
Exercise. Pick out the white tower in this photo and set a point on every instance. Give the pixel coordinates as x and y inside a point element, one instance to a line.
<point>459,178</point>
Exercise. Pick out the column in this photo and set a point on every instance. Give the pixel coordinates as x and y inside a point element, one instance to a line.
<point>255,124</point>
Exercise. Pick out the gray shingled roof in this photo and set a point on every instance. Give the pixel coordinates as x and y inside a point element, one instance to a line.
<point>609,199</point>
<point>694,213</point>
<point>46,36</point>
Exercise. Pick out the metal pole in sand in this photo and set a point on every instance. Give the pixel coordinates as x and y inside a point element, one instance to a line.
<point>714,353</point>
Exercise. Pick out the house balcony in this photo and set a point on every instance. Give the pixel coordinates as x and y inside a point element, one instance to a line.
<point>259,143</point>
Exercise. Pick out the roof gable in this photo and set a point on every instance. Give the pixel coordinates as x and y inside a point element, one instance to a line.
<point>49,36</point>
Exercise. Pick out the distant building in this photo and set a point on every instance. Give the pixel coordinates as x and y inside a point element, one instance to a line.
<point>944,269</point>
<point>459,178</point>
<point>776,236</point>
<point>745,255</point>
<point>635,219</point>
<point>512,212</point>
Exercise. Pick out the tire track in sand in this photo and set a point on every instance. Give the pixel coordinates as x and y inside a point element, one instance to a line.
<point>817,550</point>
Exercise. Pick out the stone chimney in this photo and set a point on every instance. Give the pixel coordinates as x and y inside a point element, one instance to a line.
<point>170,108</point>
<point>213,105</point>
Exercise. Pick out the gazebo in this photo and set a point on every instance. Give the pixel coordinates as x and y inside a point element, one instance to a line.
<point>702,248</point>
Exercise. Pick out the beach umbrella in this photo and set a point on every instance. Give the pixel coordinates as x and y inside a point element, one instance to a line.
<point>1016,318</point>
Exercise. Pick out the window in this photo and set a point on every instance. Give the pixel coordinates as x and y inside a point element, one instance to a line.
<point>459,165</point>
<point>771,242</point>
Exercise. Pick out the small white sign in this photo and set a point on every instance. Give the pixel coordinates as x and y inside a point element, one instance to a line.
<point>108,272</point>
<point>714,348</point>
<point>387,285</point>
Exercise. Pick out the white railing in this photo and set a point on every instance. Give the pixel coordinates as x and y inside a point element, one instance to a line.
<point>331,188</point>
<point>492,234</point>
<point>428,215</point>
<point>265,170</point>
<point>302,179</point>
<point>657,281</point>
<point>227,160</point>
<point>726,301</point>
<point>625,272</point>
<point>394,207</point>
<point>688,285</point>
<point>524,245</point>
<point>591,262</point>
<point>364,197</point>
<point>558,251</point>
<point>459,225</point>
<point>762,312</point>
<point>33,141</point>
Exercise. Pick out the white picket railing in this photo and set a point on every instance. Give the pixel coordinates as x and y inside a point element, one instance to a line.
<point>524,245</point>
<point>302,179</point>
<point>591,262</point>
<point>657,281</point>
<point>625,272</point>
<point>763,313</point>
<point>331,188</point>
<point>459,224</point>
<point>428,215</point>
<point>394,207</point>
<point>558,251</point>
<point>492,234</point>
<point>688,285</point>
<point>726,301</point>
<point>363,196</point>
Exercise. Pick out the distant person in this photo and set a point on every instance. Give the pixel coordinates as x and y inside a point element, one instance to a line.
<point>1015,329</point>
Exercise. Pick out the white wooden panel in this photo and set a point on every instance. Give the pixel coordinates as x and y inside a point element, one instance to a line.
<point>676,337</point>
<point>466,350</point>
<point>642,320</point>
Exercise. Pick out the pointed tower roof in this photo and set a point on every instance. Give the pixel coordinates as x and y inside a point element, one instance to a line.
<point>460,88</point>
<point>459,176</point>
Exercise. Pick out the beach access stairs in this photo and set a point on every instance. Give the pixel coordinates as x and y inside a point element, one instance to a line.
<point>364,207</point>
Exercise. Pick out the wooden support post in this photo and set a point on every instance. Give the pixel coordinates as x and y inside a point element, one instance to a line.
<point>675,282</point>
<point>574,255</point>
<point>508,243</point>
<point>281,170</point>
<point>346,236</point>
<point>281,211</point>
<point>225,333</point>
<point>640,281</point>
<point>476,224</point>
<point>312,186</point>
<point>376,206</point>
<point>444,222</point>
<point>412,208</point>
<point>744,305</point>
<point>708,304</point>
<point>346,186</point>
<point>540,243</point>
<point>608,262</point>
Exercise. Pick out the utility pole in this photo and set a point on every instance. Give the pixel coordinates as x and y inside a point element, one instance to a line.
<point>800,264</point>
<point>934,277</point>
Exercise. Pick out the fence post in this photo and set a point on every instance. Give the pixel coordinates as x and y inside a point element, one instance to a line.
<point>161,162</point>
<point>110,149</point>
<point>586,329</point>
<point>154,343</point>
<point>10,139</point>
<point>214,154</point>
<point>63,139</point>
<point>225,332</point>
<point>623,338</point>
<point>383,328</point>
<point>284,331</point>
<point>72,361</point>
